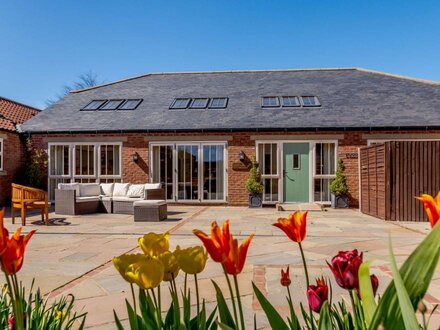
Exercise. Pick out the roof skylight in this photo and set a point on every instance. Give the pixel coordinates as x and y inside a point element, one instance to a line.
<point>290,101</point>
<point>111,105</point>
<point>130,104</point>
<point>270,101</point>
<point>218,103</point>
<point>94,105</point>
<point>199,103</point>
<point>310,101</point>
<point>181,103</point>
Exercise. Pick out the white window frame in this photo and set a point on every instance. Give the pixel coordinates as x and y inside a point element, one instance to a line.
<point>84,176</point>
<point>200,145</point>
<point>71,177</point>
<point>2,153</point>
<point>270,176</point>
<point>323,176</point>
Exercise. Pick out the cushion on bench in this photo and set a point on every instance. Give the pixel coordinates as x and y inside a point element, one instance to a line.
<point>150,202</point>
<point>69,186</point>
<point>87,199</point>
<point>120,189</point>
<point>107,189</point>
<point>136,191</point>
<point>89,189</point>
<point>152,186</point>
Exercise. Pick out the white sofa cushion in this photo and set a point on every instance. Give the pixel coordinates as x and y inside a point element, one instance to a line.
<point>152,186</point>
<point>105,198</point>
<point>69,186</point>
<point>150,202</point>
<point>136,191</point>
<point>87,199</point>
<point>125,199</point>
<point>120,189</point>
<point>107,189</point>
<point>89,189</point>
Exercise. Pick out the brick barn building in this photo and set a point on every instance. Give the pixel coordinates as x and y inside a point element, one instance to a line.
<point>12,145</point>
<point>196,131</point>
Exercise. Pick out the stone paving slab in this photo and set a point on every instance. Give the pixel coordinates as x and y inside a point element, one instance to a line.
<point>73,255</point>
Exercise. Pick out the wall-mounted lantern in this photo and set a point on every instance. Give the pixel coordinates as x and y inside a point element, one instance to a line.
<point>242,156</point>
<point>135,157</point>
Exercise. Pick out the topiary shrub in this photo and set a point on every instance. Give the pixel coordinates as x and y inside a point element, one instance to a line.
<point>254,184</point>
<point>339,184</point>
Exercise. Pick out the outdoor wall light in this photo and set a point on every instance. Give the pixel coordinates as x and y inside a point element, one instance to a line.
<point>242,156</point>
<point>135,157</point>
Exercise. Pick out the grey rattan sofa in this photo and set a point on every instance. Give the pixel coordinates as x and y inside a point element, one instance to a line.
<point>86,198</point>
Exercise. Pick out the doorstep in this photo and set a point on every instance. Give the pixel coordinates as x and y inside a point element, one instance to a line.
<point>300,207</point>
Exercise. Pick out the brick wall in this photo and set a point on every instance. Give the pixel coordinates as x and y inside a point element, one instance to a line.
<point>13,162</point>
<point>237,195</point>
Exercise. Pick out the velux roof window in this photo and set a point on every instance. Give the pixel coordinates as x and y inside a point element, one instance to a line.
<point>180,103</point>
<point>200,103</point>
<point>218,103</point>
<point>95,104</point>
<point>310,101</point>
<point>270,101</point>
<point>290,101</point>
<point>120,104</point>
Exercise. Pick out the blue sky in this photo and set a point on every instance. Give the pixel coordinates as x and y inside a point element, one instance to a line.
<point>47,44</point>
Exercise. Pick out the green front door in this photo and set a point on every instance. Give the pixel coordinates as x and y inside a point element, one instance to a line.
<point>296,172</point>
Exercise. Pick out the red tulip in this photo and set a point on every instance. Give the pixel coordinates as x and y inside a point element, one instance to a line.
<point>432,207</point>
<point>294,226</point>
<point>374,283</point>
<point>345,266</point>
<point>12,248</point>
<point>218,245</point>
<point>285,277</point>
<point>236,258</point>
<point>317,294</point>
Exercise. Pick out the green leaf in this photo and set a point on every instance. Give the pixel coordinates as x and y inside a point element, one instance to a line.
<point>132,317</point>
<point>223,309</point>
<point>224,326</point>
<point>416,273</point>
<point>274,318</point>
<point>408,313</point>
<point>117,321</point>
<point>324,317</point>
<point>367,293</point>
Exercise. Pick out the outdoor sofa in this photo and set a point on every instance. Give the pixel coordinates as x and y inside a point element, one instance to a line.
<point>145,201</point>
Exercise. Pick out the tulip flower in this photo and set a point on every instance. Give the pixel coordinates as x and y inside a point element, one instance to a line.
<point>147,273</point>
<point>218,245</point>
<point>285,277</point>
<point>432,207</point>
<point>317,294</point>
<point>345,266</point>
<point>171,267</point>
<point>374,283</point>
<point>236,258</point>
<point>154,244</point>
<point>294,226</point>
<point>191,260</point>
<point>123,262</point>
<point>12,248</point>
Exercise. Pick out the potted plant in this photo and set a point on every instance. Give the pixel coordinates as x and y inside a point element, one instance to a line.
<point>255,187</point>
<point>338,188</point>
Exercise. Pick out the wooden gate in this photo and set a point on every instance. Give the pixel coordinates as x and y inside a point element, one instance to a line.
<point>393,173</point>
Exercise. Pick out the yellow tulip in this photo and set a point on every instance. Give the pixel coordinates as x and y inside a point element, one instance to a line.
<point>191,260</point>
<point>171,267</point>
<point>147,273</point>
<point>154,244</point>
<point>123,262</point>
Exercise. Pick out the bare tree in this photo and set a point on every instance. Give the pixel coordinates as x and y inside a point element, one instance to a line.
<point>85,80</point>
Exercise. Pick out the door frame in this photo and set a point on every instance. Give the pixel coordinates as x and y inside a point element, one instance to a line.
<point>200,145</point>
<point>312,163</point>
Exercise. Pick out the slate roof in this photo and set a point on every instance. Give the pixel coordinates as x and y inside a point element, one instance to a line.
<point>13,113</point>
<point>351,98</point>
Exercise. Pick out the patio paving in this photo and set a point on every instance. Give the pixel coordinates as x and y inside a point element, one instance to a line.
<point>73,254</point>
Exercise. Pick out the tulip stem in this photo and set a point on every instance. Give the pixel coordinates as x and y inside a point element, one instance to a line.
<point>185,284</point>
<point>134,298</point>
<point>159,310</point>
<point>240,307</point>
<point>19,306</point>
<point>232,295</point>
<point>307,281</point>
<point>198,300</point>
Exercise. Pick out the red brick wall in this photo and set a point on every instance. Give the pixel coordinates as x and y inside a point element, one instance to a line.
<point>237,195</point>
<point>13,161</point>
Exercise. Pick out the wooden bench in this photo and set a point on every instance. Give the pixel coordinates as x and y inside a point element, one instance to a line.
<point>25,198</point>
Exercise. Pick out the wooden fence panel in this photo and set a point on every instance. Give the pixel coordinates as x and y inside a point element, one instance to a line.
<point>394,173</point>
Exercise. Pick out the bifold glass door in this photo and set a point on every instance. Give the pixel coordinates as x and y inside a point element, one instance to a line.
<point>192,172</point>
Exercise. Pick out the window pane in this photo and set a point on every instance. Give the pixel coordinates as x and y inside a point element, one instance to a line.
<point>187,172</point>
<point>111,105</point>
<point>59,160</point>
<point>199,103</point>
<point>95,104</point>
<point>270,190</point>
<point>213,172</point>
<point>130,104</point>
<point>310,101</point>
<point>325,158</point>
<point>290,101</point>
<point>180,104</point>
<point>84,160</point>
<point>219,102</point>
<point>163,168</point>
<point>322,190</point>
<point>110,158</point>
<point>270,101</point>
<point>267,158</point>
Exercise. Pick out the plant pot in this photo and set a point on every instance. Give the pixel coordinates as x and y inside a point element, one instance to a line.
<point>255,200</point>
<point>339,201</point>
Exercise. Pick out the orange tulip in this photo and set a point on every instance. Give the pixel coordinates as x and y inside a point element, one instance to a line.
<point>236,258</point>
<point>12,248</point>
<point>294,226</point>
<point>218,245</point>
<point>432,207</point>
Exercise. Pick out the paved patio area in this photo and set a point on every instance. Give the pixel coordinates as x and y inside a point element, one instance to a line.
<point>73,254</point>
